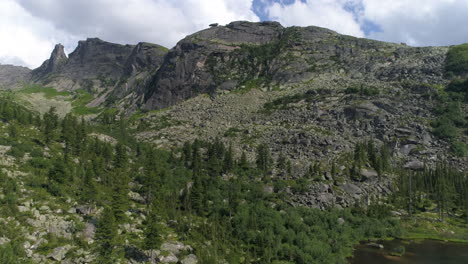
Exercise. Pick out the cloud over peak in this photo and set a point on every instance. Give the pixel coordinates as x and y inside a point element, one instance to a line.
<point>29,29</point>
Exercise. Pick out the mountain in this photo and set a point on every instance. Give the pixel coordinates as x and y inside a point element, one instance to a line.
<point>12,76</point>
<point>244,143</point>
<point>241,53</point>
<point>95,64</point>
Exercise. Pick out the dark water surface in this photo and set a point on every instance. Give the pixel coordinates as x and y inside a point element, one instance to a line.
<point>424,252</point>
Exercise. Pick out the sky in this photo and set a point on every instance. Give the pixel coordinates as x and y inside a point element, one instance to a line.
<point>29,29</point>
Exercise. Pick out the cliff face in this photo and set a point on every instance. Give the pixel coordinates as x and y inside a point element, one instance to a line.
<point>269,55</point>
<point>96,65</point>
<point>92,60</point>
<point>53,64</point>
<point>236,56</point>
<point>12,76</point>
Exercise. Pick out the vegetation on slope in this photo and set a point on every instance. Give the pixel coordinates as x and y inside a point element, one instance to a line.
<point>203,193</point>
<point>457,59</point>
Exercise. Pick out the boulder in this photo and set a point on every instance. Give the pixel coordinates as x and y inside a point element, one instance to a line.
<point>85,210</point>
<point>351,188</point>
<point>414,165</point>
<point>59,253</point>
<point>171,258</point>
<point>368,173</point>
<point>190,259</point>
<point>134,196</point>
<point>375,245</point>
<point>341,221</point>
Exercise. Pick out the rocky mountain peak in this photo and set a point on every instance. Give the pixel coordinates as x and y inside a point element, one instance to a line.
<point>270,55</point>
<point>239,32</point>
<point>57,59</point>
<point>143,57</point>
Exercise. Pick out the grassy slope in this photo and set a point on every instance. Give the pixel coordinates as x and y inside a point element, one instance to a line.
<point>40,99</point>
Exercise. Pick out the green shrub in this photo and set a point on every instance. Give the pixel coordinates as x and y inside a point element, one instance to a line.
<point>398,251</point>
<point>458,89</point>
<point>19,149</point>
<point>457,59</point>
<point>459,148</point>
<point>282,102</point>
<point>444,128</point>
<point>362,90</point>
<point>39,163</point>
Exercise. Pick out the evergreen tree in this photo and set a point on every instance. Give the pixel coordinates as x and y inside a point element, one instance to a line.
<point>121,158</point>
<point>58,173</point>
<point>288,169</point>
<point>89,193</point>
<point>120,201</point>
<point>150,186</point>
<point>50,124</point>
<point>106,237</point>
<point>385,157</point>
<point>334,170</point>
<point>281,162</point>
<point>13,130</point>
<point>152,232</point>
<point>228,163</point>
<point>196,195</point>
<point>243,162</point>
<point>264,160</point>
<point>187,154</point>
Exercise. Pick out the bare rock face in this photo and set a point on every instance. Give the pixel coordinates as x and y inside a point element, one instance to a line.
<point>144,57</point>
<point>188,68</point>
<point>12,76</point>
<point>265,54</point>
<point>92,59</point>
<point>53,64</point>
<point>97,66</point>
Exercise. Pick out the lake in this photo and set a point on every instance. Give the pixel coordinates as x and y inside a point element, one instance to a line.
<point>423,252</point>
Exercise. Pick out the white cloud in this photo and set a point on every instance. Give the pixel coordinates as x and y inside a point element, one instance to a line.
<point>323,13</point>
<point>32,27</point>
<point>419,22</point>
<point>25,40</point>
<point>131,21</point>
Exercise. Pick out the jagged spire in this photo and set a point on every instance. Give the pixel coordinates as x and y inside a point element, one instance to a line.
<point>57,57</point>
<point>56,60</point>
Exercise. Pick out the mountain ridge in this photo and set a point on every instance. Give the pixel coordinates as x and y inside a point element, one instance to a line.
<point>210,60</point>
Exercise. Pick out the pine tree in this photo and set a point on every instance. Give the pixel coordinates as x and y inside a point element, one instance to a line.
<point>334,170</point>
<point>385,157</point>
<point>264,160</point>
<point>106,237</point>
<point>281,162</point>
<point>89,185</point>
<point>228,163</point>
<point>150,186</point>
<point>120,201</point>
<point>152,232</point>
<point>243,162</point>
<point>50,124</point>
<point>196,195</point>
<point>58,173</point>
<point>121,158</point>
<point>288,169</point>
<point>187,154</point>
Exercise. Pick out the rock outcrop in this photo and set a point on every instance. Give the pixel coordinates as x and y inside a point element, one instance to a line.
<point>96,66</point>
<point>244,54</point>
<point>53,64</point>
<point>13,76</point>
